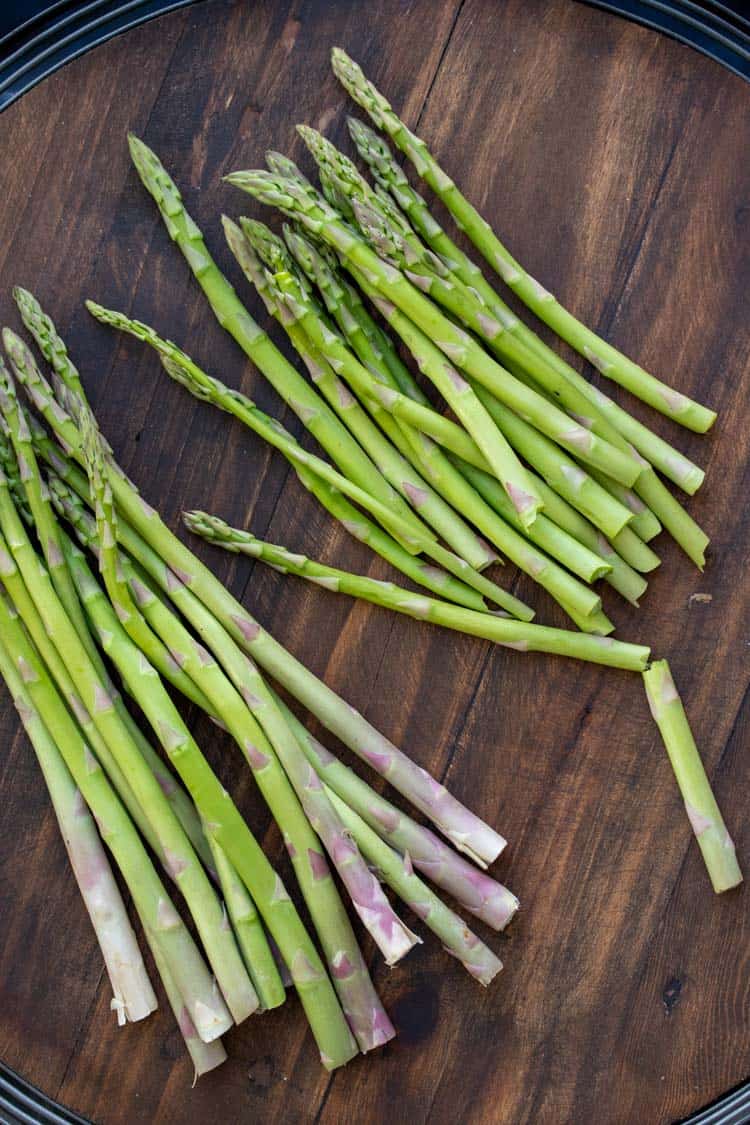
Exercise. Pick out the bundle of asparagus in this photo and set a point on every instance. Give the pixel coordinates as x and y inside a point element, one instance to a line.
<point>536,465</point>
<point>161,618</point>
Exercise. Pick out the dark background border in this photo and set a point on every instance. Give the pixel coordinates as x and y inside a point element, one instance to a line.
<point>39,36</point>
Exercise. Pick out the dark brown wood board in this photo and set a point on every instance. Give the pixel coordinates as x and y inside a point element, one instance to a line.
<point>614,163</point>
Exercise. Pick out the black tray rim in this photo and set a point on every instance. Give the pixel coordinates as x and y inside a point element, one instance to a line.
<point>66,30</point>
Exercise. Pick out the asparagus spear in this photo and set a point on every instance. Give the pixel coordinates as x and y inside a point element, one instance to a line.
<point>513,634</point>
<point>467,831</point>
<point>375,152</point>
<point>133,997</point>
<point>207,1009</point>
<point>703,812</point>
<point>608,359</point>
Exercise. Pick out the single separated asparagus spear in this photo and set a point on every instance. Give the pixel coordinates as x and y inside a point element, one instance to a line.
<point>703,812</point>
<point>207,1009</point>
<point>513,634</point>
<point>389,175</point>
<point>608,359</point>
<point>133,997</point>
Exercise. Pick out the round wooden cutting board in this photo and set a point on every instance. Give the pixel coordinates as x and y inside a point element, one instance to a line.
<point>614,163</point>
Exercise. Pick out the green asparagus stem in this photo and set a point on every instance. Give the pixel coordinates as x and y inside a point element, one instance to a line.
<point>175,847</point>
<point>513,634</point>
<point>703,812</point>
<point>250,934</point>
<point>133,996</point>
<point>467,831</point>
<point>608,359</point>
<point>389,175</point>
<point>378,444</point>
<point>207,1009</point>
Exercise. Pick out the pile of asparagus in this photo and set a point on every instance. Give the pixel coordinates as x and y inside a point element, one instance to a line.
<point>535,464</point>
<point>156,617</point>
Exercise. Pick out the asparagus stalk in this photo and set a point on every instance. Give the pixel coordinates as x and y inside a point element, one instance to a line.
<point>364,1011</point>
<point>387,173</point>
<point>251,936</point>
<point>175,847</point>
<point>608,359</point>
<point>380,445</point>
<point>133,997</point>
<point>467,831</point>
<point>513,634</point>
<point>207,1009</point>
<point>398,872</point>
<point>703,812</point>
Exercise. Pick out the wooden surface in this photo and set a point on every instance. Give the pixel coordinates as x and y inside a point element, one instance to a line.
<point>614,162</point>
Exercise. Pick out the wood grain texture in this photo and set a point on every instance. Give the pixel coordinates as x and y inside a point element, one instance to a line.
<point>613,162</point>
